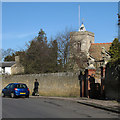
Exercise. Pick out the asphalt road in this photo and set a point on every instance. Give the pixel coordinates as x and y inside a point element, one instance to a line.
<point>50,108</point>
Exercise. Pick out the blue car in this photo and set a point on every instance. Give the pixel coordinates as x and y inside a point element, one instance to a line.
<point>16,89</point>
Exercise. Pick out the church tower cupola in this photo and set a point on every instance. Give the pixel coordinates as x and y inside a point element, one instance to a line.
<point>82,28</point>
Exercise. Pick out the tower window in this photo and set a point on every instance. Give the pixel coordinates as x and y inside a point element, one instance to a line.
<point>79,45</point>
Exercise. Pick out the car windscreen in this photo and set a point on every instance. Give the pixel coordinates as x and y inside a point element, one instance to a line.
<point>21,86</point>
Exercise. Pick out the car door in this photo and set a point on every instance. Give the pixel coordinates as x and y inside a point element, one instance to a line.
<point>11,87</point>
<point>6,89</point>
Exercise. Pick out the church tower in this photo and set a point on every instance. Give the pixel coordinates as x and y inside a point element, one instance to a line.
<point>81,40</point>
<point>80,43</point>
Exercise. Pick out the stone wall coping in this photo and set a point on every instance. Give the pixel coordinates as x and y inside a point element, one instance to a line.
<point>45,74</point>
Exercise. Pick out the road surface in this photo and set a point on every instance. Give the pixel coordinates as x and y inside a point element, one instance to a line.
<point>50,108</point>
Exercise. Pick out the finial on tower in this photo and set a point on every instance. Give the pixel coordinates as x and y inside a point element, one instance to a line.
<point>82,27</point>
<point>82,20</point>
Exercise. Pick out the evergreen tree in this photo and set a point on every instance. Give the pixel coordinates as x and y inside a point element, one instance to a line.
<point>37,54</point>
<point>41,57</point>
<point>115,50</point>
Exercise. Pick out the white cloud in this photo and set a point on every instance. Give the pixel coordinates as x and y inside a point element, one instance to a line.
<point>25,35</point>
<point>10,36</point>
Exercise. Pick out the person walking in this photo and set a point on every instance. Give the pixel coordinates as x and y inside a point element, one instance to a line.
<point>36,84</point>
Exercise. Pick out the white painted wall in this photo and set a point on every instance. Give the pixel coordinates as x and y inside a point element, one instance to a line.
<point>8,70</point>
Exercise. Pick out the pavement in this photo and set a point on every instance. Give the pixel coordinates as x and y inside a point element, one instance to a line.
<point>109,105</point>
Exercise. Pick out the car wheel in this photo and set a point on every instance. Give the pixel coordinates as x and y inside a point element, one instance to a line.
<point>27,96</point>
<point>3,94</point>
<point>13,95</point>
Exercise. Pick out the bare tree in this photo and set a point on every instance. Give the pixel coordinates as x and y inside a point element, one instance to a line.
<point>7,52</point>
<point>63,40</point>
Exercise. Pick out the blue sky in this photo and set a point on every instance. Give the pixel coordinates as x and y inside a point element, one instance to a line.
<point>21,22</point>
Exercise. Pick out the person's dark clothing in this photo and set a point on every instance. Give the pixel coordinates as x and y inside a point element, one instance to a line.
<point>36,84</point>
<point>35,90</point>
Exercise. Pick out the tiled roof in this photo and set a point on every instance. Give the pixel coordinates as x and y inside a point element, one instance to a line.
<point>7,64</point>
<point>95,50</point>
